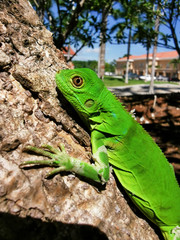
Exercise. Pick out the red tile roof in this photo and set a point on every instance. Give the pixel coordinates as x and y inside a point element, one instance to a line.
<point>161,55</point>
<point>171,54</point>
<point>65,51</point>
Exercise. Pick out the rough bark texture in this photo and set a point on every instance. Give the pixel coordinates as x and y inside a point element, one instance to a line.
<point>64,207</point>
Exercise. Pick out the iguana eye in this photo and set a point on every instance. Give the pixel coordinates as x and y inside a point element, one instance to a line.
<point>77,81</point>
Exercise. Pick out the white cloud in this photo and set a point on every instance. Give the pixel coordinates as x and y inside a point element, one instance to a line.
<point>87,54</point>
<point>91,50</point>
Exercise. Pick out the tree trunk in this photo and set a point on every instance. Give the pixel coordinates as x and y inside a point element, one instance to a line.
<point>151,88</point>
<point>128,54</point>
<point>102,48</point>
<point>65,206</point>
<point>147,64</point>
<point>101,61</point>
<point>40,5</point>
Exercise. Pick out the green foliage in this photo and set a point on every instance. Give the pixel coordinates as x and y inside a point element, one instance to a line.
<point>86,64</point>
<point>93,64</point>
<point>76,22</point>
<point>110,67</point>
<point>79,23</point>
<point>175,62</point>
<point>170,17</point>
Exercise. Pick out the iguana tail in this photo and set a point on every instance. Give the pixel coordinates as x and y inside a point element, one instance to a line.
<point>171,233</point>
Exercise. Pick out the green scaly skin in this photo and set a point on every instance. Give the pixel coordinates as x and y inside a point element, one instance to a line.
<point>118,139</point>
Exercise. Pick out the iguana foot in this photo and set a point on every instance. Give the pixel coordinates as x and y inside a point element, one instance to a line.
<point>58,158</point>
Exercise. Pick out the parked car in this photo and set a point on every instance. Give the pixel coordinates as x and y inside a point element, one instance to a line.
<point>109,73</point>
<point>146,78</point>
<point>174,79</point>
<point>162,78</point>
<point>132,76</point>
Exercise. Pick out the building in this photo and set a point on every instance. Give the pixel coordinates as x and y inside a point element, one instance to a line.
<point>164,67</point>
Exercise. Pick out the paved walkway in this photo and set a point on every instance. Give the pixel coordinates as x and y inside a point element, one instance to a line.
<point>144,89</point>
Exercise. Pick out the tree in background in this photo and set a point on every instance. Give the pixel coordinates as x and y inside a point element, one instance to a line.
<point>156,29</point>
<point>110,67</point>
<point>79,23</point>
<point>131,23</point>
<point>145,34</point>
<point>170,17</point>
<point>71,22</point>
<point>92,64</point>
<point>41,7</point>
<point>103,34</point>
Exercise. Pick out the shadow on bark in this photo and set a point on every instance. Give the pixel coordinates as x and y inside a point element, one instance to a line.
<point>16,228</point>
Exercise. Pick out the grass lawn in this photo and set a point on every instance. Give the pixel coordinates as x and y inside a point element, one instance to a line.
<point>113,82</point>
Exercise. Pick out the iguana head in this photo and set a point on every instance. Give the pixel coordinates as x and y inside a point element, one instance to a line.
<point>82,88</point>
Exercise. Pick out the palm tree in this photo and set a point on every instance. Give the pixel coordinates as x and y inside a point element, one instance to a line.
<point>128,55</point>
<point>151,87</point>
<point>103,38</point>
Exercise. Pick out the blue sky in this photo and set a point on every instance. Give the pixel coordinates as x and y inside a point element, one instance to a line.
<point>112,52</point>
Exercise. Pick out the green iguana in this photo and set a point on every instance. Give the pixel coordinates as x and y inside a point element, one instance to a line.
<point>118,139</point>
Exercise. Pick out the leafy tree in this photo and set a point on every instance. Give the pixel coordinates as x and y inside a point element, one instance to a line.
<point>130,19</point>
<point>74,22</point>
<point>79,22</point>
<point>86,64</point>
<point>125,55</point>
<point>93,64</point>
<point>41,7</point>
<point>110,67</point>
<point>145,34</point>
<point>170,17</point>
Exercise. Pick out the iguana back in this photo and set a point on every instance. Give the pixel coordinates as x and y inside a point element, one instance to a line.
<point>139,163</point>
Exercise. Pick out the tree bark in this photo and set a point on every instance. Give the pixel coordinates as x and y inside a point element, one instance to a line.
<point>147,64</point>
<point>102,47</point>
<point>34,113</point>
<point>101,61</point>
<point>128,55</point>
<point>172,27</point>
<point>151,87</point>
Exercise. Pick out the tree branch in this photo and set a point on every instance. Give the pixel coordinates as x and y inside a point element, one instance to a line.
<point>74,19</point>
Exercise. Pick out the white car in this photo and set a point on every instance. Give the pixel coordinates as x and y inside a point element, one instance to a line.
<point>162,78</point>
<point>146,78</point>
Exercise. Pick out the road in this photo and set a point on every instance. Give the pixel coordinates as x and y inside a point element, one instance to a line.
<point>143,89</point>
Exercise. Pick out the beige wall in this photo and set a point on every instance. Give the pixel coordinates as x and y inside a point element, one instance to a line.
<point>163,68</point>
<point>168,69</point>
<point>121,67</point>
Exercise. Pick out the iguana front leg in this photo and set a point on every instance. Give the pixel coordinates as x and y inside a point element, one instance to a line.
<point>60,159</point>
<point>54,154</point>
